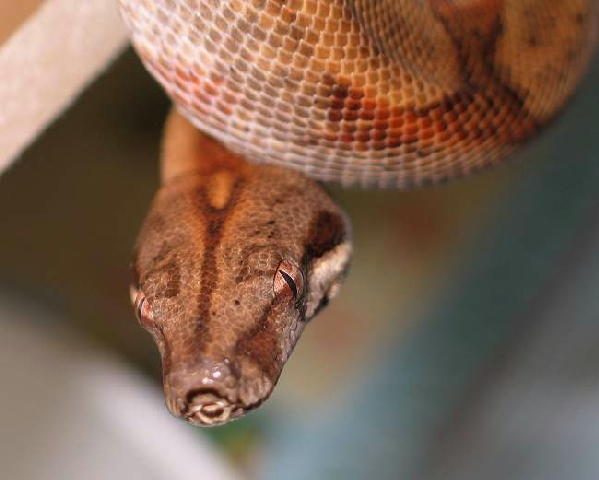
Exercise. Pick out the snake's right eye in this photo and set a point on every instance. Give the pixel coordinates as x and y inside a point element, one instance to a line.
<point>143,311</point>
<point>288,281</point>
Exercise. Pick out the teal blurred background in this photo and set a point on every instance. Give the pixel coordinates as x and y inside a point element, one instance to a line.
<point>464,344</point>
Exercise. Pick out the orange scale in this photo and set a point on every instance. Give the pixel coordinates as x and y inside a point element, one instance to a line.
<point>476,134</point>
<point>450,117</point>
<point>393,135</point>
<point>425,122</point>
<point>199,108</point>
<point>408,92</point>
<point>499,121</point>
<point>411,129</point>
<point>370,91</point>
<point>350,115</point>
<point>209,88</point>
<point>352,104</point>
<point>229,97</point>
<point>396,122</point>
<point>335,115</point>
<point>195,76</point>
<point>474,116</point>
<point>182,86</point>
<point>462,135</point>
<point>370,104</point>
<point>346,137</point>
<point>280,136</point>
<point>351,54</point>
<point>341,40</point>
<point>204,98</point>
<point>270,90</point>
<point>333,66</point>
<point>360,146</point>
<point>459,108</point>
<point>333,25</point>
<point>285,57</point>
<point>244,103</point>
<point>182,75</point>
<point>223,107</point>
<point>427,134</point>
<point>378,135</point>
<point>378,145</point>
<point>162,65</point>
<point>288,15</point>
<point>440,126</point>
<point>408,116</point>
<point>381,114</point>
<point>263,122</point>
<point>348,126</point>
<point>372,78</point>
<point>300,62</point>
<point>366,114</point>
<point>301,113</point>
<point>363,125</point>
<point>361,136</point>
<point>486,133</point>
<point>485,123</point>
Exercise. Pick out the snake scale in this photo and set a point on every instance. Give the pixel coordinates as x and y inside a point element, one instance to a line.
<point>242,247</point>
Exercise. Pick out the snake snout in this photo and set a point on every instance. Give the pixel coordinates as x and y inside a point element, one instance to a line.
<point>202,393</point>
<point>208,406</point>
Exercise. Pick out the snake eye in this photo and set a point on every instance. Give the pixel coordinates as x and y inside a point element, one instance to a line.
<point>143,311</point>
<point>288,281</point>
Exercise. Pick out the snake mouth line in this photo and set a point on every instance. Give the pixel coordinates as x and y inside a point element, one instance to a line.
<point>208,407</point>
<point>211,394</point>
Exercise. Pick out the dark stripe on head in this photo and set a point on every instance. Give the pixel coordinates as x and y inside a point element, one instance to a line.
<point>261,343</point>
<point>173,269</point>
<point>213,221</point>
<point>326,231</point>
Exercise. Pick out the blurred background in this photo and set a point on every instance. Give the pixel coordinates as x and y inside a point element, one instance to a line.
<point>464,345</point>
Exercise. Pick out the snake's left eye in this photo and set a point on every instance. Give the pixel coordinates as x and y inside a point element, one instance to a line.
<point>143,311</point>
<point>288,281</point>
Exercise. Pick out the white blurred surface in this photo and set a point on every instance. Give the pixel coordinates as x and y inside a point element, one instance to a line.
<point>68,411</point>
<point>537,418</point>
<point>61,47</point>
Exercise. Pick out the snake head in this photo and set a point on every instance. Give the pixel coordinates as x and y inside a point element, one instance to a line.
<point>229,267</point>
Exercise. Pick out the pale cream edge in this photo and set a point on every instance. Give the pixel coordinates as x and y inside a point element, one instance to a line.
<point>48,61</point>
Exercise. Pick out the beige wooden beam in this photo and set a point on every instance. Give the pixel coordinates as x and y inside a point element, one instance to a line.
<point>50,51</point>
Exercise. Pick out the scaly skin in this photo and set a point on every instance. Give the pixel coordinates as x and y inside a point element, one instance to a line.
<point>234,257</point>
<point>388,93</point>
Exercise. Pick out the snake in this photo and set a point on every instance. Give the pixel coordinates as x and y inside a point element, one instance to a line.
<point>242,245</point>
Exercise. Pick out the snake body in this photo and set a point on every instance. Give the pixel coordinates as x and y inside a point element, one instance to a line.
<point>235,257</point>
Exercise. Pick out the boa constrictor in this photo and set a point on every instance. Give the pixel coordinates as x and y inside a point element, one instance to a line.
<point>235,257</point>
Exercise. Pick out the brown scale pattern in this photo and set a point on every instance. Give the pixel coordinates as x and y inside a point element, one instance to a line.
<point>208,264</point>
<point>390,93</point>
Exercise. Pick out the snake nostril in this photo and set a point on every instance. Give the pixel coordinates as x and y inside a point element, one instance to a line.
<point>207,407</point>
